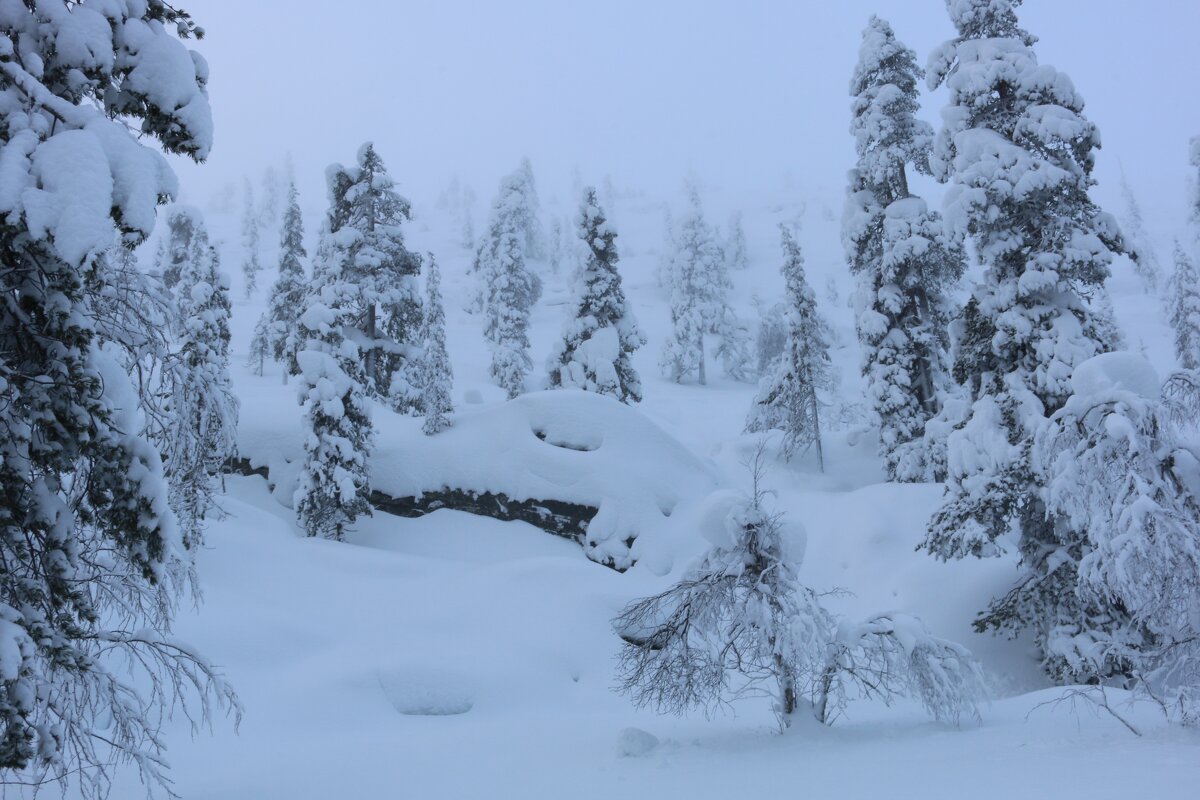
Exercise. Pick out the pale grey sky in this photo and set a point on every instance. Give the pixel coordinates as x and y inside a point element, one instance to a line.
<point>737,93</point>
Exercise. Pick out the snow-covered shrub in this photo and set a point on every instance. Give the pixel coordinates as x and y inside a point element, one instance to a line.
<point>740,624</point>
<point>893,655</point>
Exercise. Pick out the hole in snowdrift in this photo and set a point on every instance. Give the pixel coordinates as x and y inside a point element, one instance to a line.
<point>580,442</point>
<point>425,693</point>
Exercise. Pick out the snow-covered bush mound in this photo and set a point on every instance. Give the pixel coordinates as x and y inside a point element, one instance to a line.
<point>1120,371</point>
<point>571,446</point>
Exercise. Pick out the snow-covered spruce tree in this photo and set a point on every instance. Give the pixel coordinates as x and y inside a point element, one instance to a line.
<point>1019,153</point>
<point>527,211</point>
<point>788,399</point>
<point>1138,243</point>
<point>279,321</point>
<point>174,246</point>
<point>365,216</point>
<point>87,537</point>
<point>598,343</point>
<point>1117,478</point>
<point>334,483</point>
<point>898,251</point>
<point>735,243</point>
<point>699,284</point>
<point>508,290</point>
<point>273,187</point>
<point>251,237</point>
<point>202,404</point>
<point>557,245</point>
<point>770,344</point>
<point>436,376</point>
<point>1184,306</point>
<point>740,624</point>
<point>1194,211</point>
<point>663,268</point>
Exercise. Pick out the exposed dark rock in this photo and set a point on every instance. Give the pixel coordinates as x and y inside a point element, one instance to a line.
<point>569,520</point>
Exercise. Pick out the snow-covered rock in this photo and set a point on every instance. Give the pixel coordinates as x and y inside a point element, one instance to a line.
<point>566,445</point>
<point>1118,371</point>
<point>635,742</point>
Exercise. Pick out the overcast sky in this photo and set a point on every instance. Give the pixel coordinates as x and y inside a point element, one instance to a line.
<point>738,94</point>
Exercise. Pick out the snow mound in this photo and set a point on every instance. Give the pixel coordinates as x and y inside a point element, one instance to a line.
<point>1119,371</point>
<point>566,445</point>
<point>635,742</point>
<point>415,691</point>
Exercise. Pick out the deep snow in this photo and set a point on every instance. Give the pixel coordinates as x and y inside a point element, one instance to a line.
<point>458,657</point>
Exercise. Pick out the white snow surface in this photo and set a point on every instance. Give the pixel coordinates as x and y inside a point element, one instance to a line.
<point>1119,371</point>
<point>453,656</point>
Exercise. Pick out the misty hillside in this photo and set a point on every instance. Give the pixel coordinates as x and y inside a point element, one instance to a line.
<point>481,401</point>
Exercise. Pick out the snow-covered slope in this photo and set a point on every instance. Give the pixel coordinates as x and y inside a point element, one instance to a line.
<point>455,656</point>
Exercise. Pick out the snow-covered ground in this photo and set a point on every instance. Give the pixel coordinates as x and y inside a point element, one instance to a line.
<point>455,656</point>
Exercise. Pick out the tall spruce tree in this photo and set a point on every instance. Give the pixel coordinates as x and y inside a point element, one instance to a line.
<point>365,217</point>
<point>173,246</point>
<point>1019,153</point>
<point>1139,245</point>
<point>88,542</point>
<point>508,290</point>
<point>735,243</point>
<point>334,483</point>
<point>279,320</point>
<point>202,405</point>
<point>1184,307</point>
<point>595,354</point>
<point>899,252</point>
<point>699,284</point>
<point>527,212</point>
<point>251,239</point>
<point>436,375</point>
<point>788,399</point>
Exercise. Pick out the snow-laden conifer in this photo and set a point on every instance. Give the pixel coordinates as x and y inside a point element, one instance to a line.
<point>334,485</point>
<point>204,411</point>
<point>1018,152</point>
<point>279,320</point>
<point>735,243</point>
<point>526,212</point>
<point>1138,243</point>
<point>436,376</point>
<point>88,542</point>
<point>699,285</point>
<point>174,244</point>
<point>598,342</point>
<point>507,288</point>
<point>365,218</point>
<point>1184,308</point>
<point>788,398</point>
<point>770,343</point>
<point>898,251</point>
<point>251,239</point>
